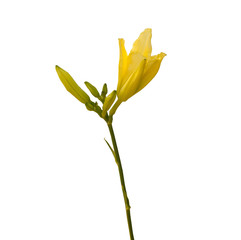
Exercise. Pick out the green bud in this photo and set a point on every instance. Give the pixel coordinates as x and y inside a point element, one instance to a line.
<point>108,102</point>
<point>71,85</point>
<point>104,91</point>
<point>92,89</point>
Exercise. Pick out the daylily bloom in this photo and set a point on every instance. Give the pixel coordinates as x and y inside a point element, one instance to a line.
<point>137,69</point>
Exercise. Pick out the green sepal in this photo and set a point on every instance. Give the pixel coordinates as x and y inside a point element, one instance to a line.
<point>98,110</point>
<point>90,106</point>
<point>92,89</point>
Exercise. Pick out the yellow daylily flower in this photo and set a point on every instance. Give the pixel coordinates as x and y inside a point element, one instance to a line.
<point>137,69</point>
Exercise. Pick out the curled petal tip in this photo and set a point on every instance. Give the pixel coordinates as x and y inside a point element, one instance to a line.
<point>161,55</point>
<point>148,29</point>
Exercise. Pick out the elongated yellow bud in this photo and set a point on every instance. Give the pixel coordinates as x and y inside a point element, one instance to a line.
<point>108,102</point>
<point>92,89</point>
<point>71,85</point>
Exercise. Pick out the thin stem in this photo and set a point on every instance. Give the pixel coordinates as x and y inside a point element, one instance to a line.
<point>118,161</point>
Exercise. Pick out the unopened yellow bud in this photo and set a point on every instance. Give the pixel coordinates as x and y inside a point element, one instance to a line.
<point>72,86</point>
<point>108,102</point>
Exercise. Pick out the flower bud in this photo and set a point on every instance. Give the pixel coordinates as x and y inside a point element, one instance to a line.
<point>108,102</point>
<point>92,89</point>
<point>104,91</point>
<point>71,85</point>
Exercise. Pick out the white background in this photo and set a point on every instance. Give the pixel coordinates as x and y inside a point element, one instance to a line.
<point>179,138</point>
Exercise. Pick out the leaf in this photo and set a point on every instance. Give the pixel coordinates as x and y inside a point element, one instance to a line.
<point>112,150</point>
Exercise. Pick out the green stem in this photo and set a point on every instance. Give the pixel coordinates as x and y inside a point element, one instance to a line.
<point>118,161</point>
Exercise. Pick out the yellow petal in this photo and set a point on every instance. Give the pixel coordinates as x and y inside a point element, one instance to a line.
<point>133,62</point>
<point>151,69</point>
<point>71,85</point>
<point>122,62</point>
<point>132,84</point>
<point>143,44</point>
